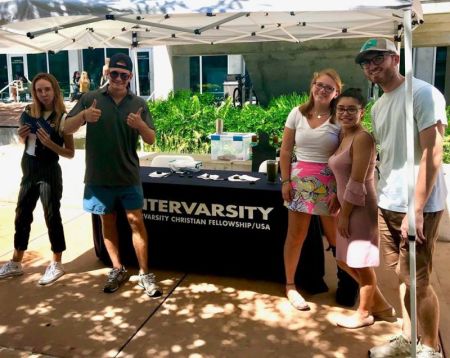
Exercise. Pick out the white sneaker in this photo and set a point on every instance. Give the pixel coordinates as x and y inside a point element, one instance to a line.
<point>398,346</point>
<point>10,269</point>
<point>428,352</point>
<point>54,271</point>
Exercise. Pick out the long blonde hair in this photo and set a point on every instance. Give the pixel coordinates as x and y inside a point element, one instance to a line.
<point>306,107</point>
<point>58,101</point>
<point>84,77</point>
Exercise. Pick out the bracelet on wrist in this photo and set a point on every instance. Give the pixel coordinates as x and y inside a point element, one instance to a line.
<point>285,181</point>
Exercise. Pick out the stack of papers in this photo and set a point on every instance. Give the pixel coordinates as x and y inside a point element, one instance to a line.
<point>242,178</point>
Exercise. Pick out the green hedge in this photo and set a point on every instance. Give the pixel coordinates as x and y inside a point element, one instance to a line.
<point>185,120</point>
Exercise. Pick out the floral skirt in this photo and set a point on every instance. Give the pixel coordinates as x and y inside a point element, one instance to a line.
<point>312,185</point>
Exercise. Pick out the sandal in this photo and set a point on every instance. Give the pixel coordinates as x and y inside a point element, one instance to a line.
<point>387,314</point>
<point>295,298</point>
<point>355,321</point>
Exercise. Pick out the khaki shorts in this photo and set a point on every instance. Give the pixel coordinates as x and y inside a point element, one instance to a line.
<point>395,249</point>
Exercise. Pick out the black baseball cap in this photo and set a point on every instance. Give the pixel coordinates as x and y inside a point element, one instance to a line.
<point>120,60</point>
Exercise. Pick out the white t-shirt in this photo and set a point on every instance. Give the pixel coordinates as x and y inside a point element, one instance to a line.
<point>389,125</point>
<point>313,144</point>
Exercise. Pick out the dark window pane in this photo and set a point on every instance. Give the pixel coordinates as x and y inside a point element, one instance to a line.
<point>93,63</point>
<point>214,73</point>
<point>59,64</point>
<point>112,51</point>
<point>402,61</point>
<point>439,74</point>
<point>37,63</point>
<point>194,70</point>
<point>3,75</point>
<point>144,73</point>
<point>17,66</point>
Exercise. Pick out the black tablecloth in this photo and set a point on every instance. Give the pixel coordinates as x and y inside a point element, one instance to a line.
<point>221,227</point>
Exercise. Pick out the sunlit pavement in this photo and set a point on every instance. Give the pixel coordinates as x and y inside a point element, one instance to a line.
<point>199,316</point>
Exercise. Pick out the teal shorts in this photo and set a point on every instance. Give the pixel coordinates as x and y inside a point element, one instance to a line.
<point>99,199</point>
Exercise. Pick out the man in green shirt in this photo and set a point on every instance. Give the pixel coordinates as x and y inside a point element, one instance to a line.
<point>115,118</point>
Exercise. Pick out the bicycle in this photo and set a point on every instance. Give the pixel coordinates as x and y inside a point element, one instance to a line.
<point>243,91</point>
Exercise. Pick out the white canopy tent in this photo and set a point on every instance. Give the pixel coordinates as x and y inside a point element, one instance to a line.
<point>30,26</point>
<point>46,25</point>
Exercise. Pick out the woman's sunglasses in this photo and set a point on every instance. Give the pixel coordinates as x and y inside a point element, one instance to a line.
<point>123,76</point>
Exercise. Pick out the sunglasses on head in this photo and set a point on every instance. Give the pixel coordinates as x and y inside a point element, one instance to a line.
<point>123,76</point>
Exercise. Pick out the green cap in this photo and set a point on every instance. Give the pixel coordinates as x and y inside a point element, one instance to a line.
<point>375,45</point>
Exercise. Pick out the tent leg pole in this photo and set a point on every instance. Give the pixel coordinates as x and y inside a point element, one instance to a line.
<point>411,177</point>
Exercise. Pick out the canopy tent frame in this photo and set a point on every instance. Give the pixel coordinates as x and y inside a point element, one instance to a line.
<point>85,25</point>
<point>177,32</point>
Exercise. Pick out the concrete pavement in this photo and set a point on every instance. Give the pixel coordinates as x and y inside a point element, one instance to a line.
<point>199,315</point>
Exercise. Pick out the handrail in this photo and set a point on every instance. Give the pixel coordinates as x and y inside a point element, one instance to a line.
<point>151,95</point>
<point>18,86</point>
<point>7,86</point>
<point>103,85</point>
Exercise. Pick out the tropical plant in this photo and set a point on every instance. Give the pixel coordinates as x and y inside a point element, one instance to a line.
<point>185,120</point>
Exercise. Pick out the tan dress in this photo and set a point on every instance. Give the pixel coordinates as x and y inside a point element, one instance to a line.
<point>84,86</point>
<point>361,248</point>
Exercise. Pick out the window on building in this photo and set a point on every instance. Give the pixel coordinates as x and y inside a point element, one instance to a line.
<point>3,74</point>
<point>93,61</point>
<point>112,51</point>
<point>37,63</point>
<point>402,61</point>
<point>143,59</point>
<point>439,73</point>
<point>58,64</point>
<point>17,66</point>
<point>214,73</point>
<point>194,74</point>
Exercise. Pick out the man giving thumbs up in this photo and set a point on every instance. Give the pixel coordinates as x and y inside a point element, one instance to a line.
<point>115,118</point>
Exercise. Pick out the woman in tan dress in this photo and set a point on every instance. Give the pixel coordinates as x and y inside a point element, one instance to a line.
<point>84,82</point>
<point>353,165</point>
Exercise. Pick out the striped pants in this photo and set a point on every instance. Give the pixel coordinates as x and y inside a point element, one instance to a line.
<point>44,182</point>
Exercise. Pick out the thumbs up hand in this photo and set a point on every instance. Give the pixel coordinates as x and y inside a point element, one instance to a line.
<point>134,120</point>
<point>92,114</point>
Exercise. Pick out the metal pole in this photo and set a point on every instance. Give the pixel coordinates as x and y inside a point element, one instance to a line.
<point>134,58</point>
<point>200,63</point>
<point>411,177</point>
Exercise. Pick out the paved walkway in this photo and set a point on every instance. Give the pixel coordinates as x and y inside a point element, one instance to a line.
<point>199,315</point>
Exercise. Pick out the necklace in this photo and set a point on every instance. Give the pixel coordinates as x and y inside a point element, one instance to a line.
<point>320,115</point>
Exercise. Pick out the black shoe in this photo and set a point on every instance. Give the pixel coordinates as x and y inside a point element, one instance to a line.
<point>115,278</point>
<point>314,286</point>
<point>347,289</point>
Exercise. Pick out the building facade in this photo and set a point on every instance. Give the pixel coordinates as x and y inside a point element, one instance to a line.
<point>274,68</point>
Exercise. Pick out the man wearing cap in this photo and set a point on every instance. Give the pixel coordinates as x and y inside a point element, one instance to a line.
<point>379,60</point>
<point>114,119</point>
